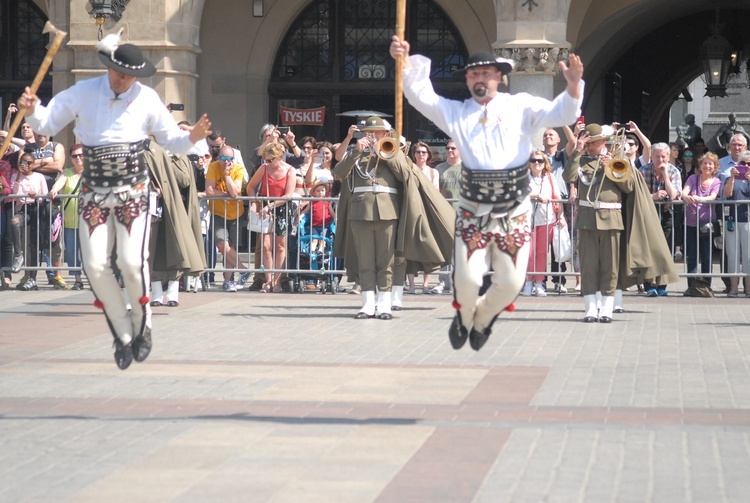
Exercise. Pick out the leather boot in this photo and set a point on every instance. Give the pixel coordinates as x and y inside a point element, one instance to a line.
<point>591,310</point>
<point>173,293</point>
<point>605,313</point>
<point>368,306</point>
<point>397,298</point>
<point>384,305</point>
<point>157,294</point>
<point>619,306</point>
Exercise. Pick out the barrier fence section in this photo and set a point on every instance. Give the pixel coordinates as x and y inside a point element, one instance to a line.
<point>718,247</point>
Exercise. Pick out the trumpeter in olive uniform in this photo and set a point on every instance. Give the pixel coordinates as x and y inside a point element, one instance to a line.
<point>600,221</point>
<point>372,214</point>
<point>388,206</point>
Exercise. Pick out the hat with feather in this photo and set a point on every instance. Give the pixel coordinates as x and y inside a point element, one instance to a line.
<point>125,58</point>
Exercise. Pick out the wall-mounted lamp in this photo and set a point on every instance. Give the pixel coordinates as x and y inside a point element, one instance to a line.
<point>102,10</point>
<point>716,57</point>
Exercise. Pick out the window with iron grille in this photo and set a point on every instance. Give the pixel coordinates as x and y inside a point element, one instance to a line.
<point>347,41</point>
<point>22,49</point>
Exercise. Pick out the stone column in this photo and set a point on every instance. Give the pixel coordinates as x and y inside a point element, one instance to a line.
<point>535,67</point>
<point>168,34</point>
<point>532,33</point>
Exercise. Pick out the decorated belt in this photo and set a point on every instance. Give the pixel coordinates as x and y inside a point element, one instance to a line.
<point>599,205</point>
<point>505,189</point>
<point>377,189</point>
<point>115,165</point>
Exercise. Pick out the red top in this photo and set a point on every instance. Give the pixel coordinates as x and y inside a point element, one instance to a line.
<point>270,187</point>
<point>321,216</point>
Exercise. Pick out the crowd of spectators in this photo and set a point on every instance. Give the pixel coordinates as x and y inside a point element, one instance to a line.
<point>698,195</point>
<point>688,185</point>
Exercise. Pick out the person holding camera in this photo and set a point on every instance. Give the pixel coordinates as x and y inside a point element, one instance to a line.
<point>664,184</point>
<point>700,218</point>
<point>736,226</point>
<point>635,139</point>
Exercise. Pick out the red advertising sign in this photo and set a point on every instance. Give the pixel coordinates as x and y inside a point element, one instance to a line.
<point>299,116</point>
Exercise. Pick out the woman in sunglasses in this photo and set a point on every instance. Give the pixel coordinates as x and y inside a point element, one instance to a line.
<point>274,178</point>
<point>544,217</point>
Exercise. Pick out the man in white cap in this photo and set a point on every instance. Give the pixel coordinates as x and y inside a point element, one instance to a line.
<point>114,115</point>
<point>494,132</point>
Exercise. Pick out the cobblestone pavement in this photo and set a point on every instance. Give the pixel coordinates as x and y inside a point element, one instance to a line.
<point>286,398</point>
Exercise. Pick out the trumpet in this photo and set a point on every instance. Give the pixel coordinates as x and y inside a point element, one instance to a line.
<point>619,169</point>
<point>386,148</point>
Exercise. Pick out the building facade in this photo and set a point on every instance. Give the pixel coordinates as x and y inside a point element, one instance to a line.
<point>249,62</point>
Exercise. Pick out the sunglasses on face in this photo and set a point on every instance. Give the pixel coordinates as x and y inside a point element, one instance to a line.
<point>420,152</point>
<point>743,163</point>
<point>76,156</point>
<point>450,148</point>
<point>226,158</point>
<point>688,155</point>
<point>536,161</point>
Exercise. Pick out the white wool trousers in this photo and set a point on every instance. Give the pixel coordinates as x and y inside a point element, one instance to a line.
<point>118,225</point>
<point>501,243</point>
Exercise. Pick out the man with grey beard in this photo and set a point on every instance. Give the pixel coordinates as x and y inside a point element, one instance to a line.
<point>494,132</point>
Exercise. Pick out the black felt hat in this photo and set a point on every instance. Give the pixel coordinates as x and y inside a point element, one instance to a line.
<point>486,59</point>
<point>125,58</point>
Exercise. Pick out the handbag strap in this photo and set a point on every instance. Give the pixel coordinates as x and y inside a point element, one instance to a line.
<point>75,191</point>
<point>555,206</point>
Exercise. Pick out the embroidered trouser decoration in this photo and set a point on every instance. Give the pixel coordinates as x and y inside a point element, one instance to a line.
<point>118,224</point>
<point>499,242</point>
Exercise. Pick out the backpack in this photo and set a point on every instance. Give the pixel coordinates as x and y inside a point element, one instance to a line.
<point>699,288</point>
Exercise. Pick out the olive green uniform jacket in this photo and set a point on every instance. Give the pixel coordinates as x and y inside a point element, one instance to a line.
<point>177,243</point>
<point>426,225</point>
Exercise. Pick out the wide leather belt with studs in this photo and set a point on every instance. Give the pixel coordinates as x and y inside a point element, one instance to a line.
<point>115,165</point>
<point>504,189</point>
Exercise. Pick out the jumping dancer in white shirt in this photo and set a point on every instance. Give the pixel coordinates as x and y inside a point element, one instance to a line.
<point>114,115</point>
<point>493,132</point>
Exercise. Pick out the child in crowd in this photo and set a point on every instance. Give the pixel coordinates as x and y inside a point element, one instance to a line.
<point>322,214</point>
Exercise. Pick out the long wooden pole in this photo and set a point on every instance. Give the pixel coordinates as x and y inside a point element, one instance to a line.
<point>400,29</point>
<point>54,45</point>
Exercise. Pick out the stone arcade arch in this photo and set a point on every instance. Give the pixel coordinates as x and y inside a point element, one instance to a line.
<point>335,55</point>
<point>653,47</point>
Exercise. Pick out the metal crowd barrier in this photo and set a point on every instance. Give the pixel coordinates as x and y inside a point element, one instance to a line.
<point>37,257</point>
<point>298,262</point>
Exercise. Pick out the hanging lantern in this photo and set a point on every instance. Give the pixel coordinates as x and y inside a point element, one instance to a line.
<point>716,57</point>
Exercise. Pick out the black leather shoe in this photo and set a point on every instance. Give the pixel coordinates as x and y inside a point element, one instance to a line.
<point>457,333</point>
<point>385,316</point>
<point>123,354</point>
<point>477,338</point>
<point>142,345</point>
<point>156,303</point>
<point>589,319</point>
<point>396,308</point>
<point>619,310</point>
<point>363,316</point>
<point>605,319</point>
<point>173,303</point>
